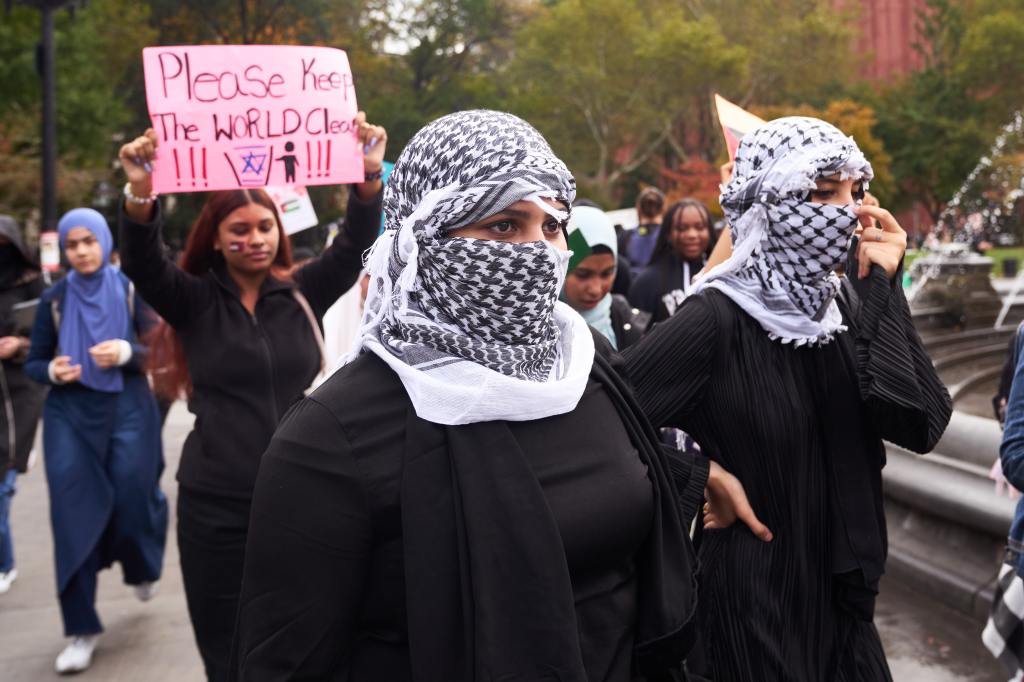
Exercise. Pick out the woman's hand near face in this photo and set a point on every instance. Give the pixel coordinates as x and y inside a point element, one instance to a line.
<point>727,502</point>
<point>64,371</point>
<point>136,159</point>
<point>106,354</point>
<point>882,241</point>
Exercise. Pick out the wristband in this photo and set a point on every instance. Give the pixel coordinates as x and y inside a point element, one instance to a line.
<point>375,175</point>
<point>132,199</point>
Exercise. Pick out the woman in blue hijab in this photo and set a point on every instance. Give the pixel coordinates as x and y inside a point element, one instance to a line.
<point>101,435</point>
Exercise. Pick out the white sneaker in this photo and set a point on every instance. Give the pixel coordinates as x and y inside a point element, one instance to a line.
<point>77,656</point>
<point>6,579</point>
<point>146,591</point>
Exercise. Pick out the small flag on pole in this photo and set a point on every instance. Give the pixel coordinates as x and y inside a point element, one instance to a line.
<point>736,122</point>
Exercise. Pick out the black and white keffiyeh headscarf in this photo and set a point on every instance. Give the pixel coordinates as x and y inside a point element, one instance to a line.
<point>473,327</point>
<point>785,247</point>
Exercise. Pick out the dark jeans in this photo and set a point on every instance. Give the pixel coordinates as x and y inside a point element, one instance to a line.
<point>211,542</point>
<point>8,486</point>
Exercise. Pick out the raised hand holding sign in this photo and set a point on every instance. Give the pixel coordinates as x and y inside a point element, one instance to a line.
<point>232,116</point>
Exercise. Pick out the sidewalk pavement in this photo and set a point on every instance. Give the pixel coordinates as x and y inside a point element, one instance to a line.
<point>150,642</point>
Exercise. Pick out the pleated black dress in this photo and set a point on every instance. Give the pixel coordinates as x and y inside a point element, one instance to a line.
<point>801,428</point>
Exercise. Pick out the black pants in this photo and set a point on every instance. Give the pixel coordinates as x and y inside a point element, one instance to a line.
<point>211,542</point>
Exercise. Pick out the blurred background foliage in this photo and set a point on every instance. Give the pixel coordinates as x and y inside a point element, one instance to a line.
<point>621,88</point>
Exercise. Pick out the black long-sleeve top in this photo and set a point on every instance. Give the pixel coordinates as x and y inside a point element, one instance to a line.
<point>327,592</point>
<point>246,369</point>
<point>802,429</point>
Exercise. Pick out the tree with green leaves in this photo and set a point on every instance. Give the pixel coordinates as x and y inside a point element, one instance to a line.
<point>938,121</point>
<point>609,82</point>
<point>97,64</point>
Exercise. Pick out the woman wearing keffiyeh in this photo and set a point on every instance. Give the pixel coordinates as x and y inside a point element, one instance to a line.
<point>475,494</point>
<point>791,380</point>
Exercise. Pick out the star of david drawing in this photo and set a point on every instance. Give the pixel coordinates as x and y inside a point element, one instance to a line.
<point>253,163</point>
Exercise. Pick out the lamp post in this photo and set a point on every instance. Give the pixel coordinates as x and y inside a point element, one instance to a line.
<point>45,67</point>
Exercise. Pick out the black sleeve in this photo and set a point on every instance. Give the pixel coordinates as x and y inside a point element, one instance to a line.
<point>906,401</point>
<point>690,476</point>
<point>144,322</point>
<point>175,295</point>
<point>306,555</point>
<point>670,367</point>
<point>324,279</point>
<point>689,471</point>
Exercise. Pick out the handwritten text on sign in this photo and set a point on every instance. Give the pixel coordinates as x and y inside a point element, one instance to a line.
<point>231,116</point>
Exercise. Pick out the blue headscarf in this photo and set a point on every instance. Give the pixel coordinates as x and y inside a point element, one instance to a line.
<point>95,307</point>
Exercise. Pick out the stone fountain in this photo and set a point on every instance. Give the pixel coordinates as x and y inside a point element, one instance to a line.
<point>951,288</point>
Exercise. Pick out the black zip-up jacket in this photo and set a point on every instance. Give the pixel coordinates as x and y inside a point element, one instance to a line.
<point>21,399</point>
<point>246,370</point>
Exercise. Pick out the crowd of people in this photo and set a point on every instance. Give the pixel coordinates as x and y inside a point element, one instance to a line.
<point>485,485</point>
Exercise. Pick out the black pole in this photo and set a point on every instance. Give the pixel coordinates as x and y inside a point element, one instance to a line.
<point>49,122</point>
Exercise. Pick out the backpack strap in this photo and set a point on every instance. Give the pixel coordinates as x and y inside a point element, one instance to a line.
<point>131,301</point>
<point>317,334</point>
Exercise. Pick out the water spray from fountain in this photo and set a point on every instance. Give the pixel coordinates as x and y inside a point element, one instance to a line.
<point>987,199</point>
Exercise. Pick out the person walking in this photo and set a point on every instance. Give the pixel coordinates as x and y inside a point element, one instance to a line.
<point>793,389</point>
<point>637,244</point>
<point>20,284</point>
<point>475,494</point>
<point>101,431</point>
<point>1003,635</point>
<point>242,339</point>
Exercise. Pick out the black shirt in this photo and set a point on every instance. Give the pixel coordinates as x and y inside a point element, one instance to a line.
<point>246,369</point>
<point>324,590</point>
<point>802,429</point>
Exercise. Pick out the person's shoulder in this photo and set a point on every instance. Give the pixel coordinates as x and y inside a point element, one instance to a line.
<point>621,305</point>
<point>129,286</point>
<point>55,292</point>
<point>625,312</point>
<point>710,301</point>
<point>364,390</point>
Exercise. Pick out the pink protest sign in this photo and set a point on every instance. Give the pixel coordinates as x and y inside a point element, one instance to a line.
<point>231,116</point>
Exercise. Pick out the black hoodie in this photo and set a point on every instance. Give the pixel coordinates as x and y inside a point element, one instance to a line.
<point>246,369</point>
<point>22,399</point>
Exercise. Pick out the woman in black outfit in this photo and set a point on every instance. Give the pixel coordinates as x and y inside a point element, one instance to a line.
<point>794,391</point>
<point>242,342</point>
<point>683,246</point>
<point>20,282</point>
<point>475,495</point>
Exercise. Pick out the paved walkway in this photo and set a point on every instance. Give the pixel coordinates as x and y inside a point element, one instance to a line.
<point>152,642</point>
<point>149,642</point>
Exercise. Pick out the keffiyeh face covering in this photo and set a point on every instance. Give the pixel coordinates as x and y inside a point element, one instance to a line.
<point>786,248</point>
<point>497,299</point>
<point>472,326</point>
